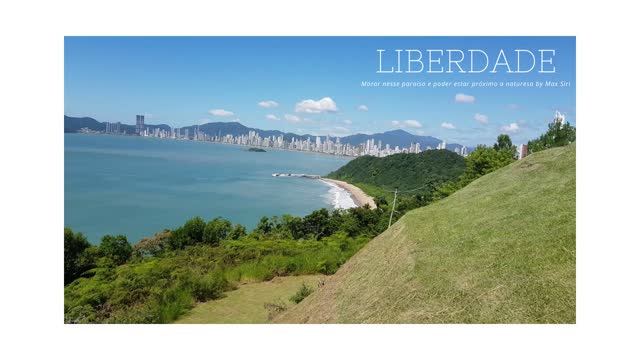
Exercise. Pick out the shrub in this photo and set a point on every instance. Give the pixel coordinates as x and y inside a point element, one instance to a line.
<point>209,286</point>
<point>274,309</point>
<point>302,293</point>
<point>173,303</point>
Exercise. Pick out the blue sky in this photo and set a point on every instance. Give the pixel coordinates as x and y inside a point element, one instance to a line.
<point>279,83</point>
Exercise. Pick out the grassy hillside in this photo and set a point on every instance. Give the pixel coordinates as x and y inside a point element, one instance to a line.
<point>403,171</point>
<point>501,250</point>
<point>251,303</point>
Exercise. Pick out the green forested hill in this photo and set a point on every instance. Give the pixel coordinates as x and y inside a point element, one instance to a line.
<point>403,171</point>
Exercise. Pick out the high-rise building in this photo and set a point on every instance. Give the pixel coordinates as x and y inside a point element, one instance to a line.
<point>523,151</point>
<point>559,118</point>
<point>139,124</point>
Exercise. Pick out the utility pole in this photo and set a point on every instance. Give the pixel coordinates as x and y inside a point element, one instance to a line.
<point>393,208</point>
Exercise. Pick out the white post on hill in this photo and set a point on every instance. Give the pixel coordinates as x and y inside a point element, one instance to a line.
<point>393,208</point>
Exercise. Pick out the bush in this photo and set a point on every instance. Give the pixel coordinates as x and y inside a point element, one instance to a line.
<point>209,286</point>
<point>173,303</point>
<point>302,293</point>
<point>274,309</point>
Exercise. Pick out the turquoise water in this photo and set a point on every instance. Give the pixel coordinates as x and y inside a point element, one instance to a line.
<point>138,186</point>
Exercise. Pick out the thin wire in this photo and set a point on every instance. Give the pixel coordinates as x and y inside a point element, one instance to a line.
<point>406,191</point>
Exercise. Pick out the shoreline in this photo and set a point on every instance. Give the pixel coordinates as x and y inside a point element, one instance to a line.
<point>360,198</point>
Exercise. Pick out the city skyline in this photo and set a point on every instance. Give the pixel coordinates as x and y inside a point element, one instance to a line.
<point>370,146</point>
<point>299,143</point>
<point>310,85</point>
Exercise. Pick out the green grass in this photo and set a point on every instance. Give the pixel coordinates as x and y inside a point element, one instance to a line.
<point>501,250</point>
<point>246,305</point>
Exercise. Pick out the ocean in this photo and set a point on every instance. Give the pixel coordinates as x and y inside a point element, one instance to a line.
<point>138,186</point>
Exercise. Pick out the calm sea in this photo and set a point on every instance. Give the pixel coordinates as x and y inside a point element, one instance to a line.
<point>138,186</point>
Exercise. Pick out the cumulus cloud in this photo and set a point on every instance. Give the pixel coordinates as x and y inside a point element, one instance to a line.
<point>511,128</point>
<point>272,117</point>
<point>447,125</point>
<point>363,108</point>
<point>347,122</point>
<point>484,119</point>
<point>268,104</point>
<point>316,106</point>
<point>465,99</point>
<point>220,112</point>
<point>292,118</point>
<point>415,124</point>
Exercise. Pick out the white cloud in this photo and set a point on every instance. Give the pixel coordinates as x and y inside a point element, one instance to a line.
<point>447,125</point>
<point>511,128</point>
<point>268,104</point>
<point>316,106</point>
<point>363,108</point>
<point>347,122</point>
<point>220,112</point>
<point>272,117</point>
<point>484,119</point>
<point>292,118</point>
<point>415,124</point>
<point>465,99</point>
<point>335,131</point>
<point>513,106</point>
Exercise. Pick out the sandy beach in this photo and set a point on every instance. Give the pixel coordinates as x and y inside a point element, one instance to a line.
<point>358,196</point>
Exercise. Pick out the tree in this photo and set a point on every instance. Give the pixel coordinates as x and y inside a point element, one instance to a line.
<point>76,260</point>
<point>484,160</point>
<point>237,232</point>
<point>557,135</point>
<point>215,231</point>
<point>317,223</point>
<point>194,229</point>
<point>504,144</point>
<point>115,248</point>
<point>152,246</point>
<point>264,225</point>
<point>293,225</point>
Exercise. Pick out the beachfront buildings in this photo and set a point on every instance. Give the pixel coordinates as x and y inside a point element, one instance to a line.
<point>139,124</point>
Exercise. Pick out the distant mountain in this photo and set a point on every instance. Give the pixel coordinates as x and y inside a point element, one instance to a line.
<point>74,124</point>
<point>399,138</point>
<point>236,129</point>
<point>394,138</point>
